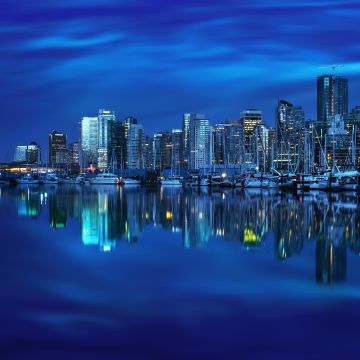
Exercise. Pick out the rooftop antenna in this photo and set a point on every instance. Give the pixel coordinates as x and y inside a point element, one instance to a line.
<point>333,67</point>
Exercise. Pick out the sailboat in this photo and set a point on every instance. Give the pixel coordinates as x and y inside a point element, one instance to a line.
<point>172,180</point>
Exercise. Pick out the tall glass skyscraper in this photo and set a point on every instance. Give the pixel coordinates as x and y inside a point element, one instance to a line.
<point>200,142</point>
<point>89,141</point>
<point>57,148</point>
<point>332,96</point>
<point>289,127</point>
<point>134,147</point>
<point>107,133</point>
<point>250,119</point>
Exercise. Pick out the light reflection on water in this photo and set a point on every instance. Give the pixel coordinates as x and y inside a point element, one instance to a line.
<point>94,273</point>
<point>108,215</point>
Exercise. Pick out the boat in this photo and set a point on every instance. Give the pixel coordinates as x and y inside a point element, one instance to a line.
<point>81,180</point>
<point>28,179</point>
<point>130,181</point>
<point>172,180</point>
<point>105,179</point>
<point>49,179</point>
<point>67,181</point>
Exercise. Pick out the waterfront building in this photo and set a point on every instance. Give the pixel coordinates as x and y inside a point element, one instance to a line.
<point>200,142</point>
<point>124,138</point>
<point>177,148</point>
<point>57,148</point>
<point>249,120</point>
<point>89,142</point>
<point>162,150</point>
<point>147,147</point>
<point>186,139</point>
<point>135,158</point>
<point>332,96</point>
<point>74,158</point>
<point>107,138</point>
<point>20,153</point>
<point>33,153</point>
<point>289,128</point>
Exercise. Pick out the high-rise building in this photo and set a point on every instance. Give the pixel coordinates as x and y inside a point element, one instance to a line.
<point>134,147</point>
<point>20,153</point>
<point>200,142</point>
<point>162,150</point>
<point>124,135</point>
<point>147,146</point>
<point>177,149</point>
<point>33,153</point>
<point>249,119</point>
<point>289,127</point>
<point>57,148</point>
<point>332,96</point>
<point>89,141</point>
<point>30,154</point>
<point>107,138</point>
<point>74,158</point>
<point>186,139</point>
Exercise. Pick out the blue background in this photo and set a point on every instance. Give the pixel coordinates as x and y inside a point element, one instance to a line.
<point>157,59</point>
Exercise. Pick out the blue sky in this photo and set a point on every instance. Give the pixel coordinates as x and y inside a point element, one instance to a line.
<point>158,59</point>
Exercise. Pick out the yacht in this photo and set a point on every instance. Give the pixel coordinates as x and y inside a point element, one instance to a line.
<point>130,181</point>
<point>105,179</point>
<point>172,180</point>
<point>28,179</point>
<point>48,179</point>
<point>80,180</point>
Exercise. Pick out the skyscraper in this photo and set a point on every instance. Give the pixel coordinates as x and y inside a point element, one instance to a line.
<point>249,119</point>
<point>289,129</point>
<point>107,133</point>
<point>89,141</point>
<point>177,148</point>
<point>332,96</point>
<point>200,142</point>
<point>125,129</point>
<point>57,148</point>
<point>134,147</point>
<point>186,137</point>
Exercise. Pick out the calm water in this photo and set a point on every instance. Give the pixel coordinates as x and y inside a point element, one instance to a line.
<point>100,272</point>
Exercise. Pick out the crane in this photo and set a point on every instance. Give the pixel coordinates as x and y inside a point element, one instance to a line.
<point>333,67</point>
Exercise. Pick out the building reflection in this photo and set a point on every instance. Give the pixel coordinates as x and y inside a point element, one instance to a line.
<point>109,215</point>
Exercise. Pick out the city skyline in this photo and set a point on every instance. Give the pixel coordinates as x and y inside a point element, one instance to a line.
<point>218,59</point>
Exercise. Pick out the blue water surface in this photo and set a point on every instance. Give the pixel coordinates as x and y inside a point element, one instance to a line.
<point>113,273</point>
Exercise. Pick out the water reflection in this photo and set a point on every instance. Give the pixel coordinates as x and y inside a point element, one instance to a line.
<point>107,215</point>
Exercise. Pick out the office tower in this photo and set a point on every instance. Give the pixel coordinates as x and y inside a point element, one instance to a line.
<point>57,149</point>
<point>289,127</point>
<point>219,146</point>
<point>186,137</point>
<point>263,148</point>
<point>107,133</point>
<point>338,143</point>
<point>332,96</point>
<point>74,159</point>
<point>177,149</point>
<point>249,119</point>
<point>30,154</point>
<point>124,135</point>
<point>162,150</point>
<point>134,147</point>
<point>147,147</point>
<point>157,151</point>
<point>20,153</point>
<point>200,142</point>
<point>33,154</point>
<point>89,142</point>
